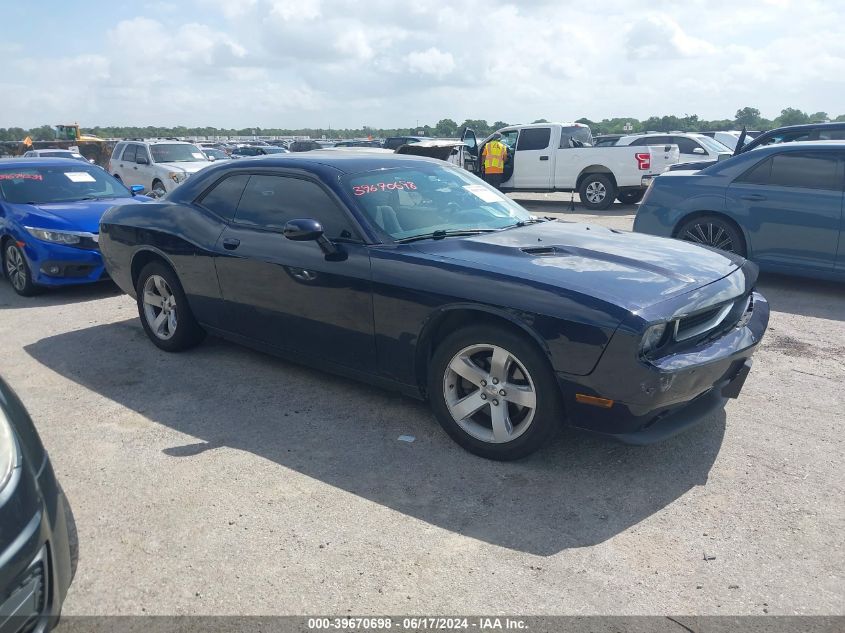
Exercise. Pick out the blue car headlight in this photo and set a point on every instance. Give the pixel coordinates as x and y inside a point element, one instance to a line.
<point>57,237</point>
<point>7,451</point>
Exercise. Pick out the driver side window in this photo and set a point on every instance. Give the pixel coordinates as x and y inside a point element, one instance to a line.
<point>268,202</point>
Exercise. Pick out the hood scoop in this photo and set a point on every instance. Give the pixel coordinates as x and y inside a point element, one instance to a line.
<point>545,251</point>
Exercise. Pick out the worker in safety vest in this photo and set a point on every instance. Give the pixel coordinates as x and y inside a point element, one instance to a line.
<point>494,156</point>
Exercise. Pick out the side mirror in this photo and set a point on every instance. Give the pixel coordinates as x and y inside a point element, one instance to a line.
<point>698,150</point>
<point>136,189</point>
<point>142,160</point>
<point>211,158</point>
<point>307,230</point>
<point>92,161</point>
<point>723,156</point>
<point>303,230</point>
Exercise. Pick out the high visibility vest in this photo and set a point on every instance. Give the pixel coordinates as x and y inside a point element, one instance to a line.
<point>494,155</point>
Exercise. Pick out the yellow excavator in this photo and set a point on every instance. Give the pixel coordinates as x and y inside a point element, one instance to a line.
<point>67,136</point>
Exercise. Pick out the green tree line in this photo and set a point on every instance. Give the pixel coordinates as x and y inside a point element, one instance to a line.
<point>749,117</point>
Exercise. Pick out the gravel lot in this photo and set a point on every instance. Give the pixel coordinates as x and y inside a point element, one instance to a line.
<point>224,481</point>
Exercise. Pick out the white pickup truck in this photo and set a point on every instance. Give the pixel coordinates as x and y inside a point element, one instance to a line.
<point>560,157</point>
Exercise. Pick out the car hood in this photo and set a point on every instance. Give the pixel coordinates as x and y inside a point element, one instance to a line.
<point>72,216</point>
<point>630,270</point>
<point>188,168</point>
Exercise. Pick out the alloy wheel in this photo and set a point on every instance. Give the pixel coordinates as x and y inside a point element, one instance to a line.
<point>710,234</point>
<point>489,393</point>
<point>160,307</point>
<point>596,192</point>
<point>15,268</point>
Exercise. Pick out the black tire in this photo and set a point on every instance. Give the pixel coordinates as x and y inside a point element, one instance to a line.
<point>16,270</point>
<point>632,196</point>
<point>591,190</point>
<point>548,409</point>
<point>72,535</point>
<point>186,333</point>
<point>158,188</point>
<point>714,231</point>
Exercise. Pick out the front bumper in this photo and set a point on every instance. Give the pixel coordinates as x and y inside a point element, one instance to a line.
<point>654,400</point>
<point>59,265</point>
<point>35,559</point>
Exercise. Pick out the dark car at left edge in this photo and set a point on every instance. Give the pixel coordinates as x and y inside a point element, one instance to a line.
<point>413,274</point>
<point>38,542</point>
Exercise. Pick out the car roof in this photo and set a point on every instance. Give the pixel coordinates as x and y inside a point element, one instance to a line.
<point>804,145</point>
<point>806,126</point>
<point>40,161</point>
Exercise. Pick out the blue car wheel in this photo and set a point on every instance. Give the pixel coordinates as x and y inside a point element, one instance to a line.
<point>714,231</point>
<point>17,270</point>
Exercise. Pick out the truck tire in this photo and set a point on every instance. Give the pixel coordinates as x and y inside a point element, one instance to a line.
<point>597,192</point>
<point>631,196</point>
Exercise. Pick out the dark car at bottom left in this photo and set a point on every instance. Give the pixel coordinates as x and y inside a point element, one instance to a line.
<point>38,542</point>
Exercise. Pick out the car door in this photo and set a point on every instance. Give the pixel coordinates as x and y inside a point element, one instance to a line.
<point>144,169</point>
<point>127,168</point>
<point>289,294</point>
<point>470,151</point>
<point>791,205</point>
<point>533,159</point>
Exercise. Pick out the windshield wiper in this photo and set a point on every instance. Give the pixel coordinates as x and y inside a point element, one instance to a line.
<point>439,235</point>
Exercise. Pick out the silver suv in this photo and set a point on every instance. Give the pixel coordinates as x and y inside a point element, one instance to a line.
<point>157,165</point>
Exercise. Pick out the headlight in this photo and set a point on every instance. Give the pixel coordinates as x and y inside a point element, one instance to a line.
<point>58,237</point>
<point>177,176</point>
<point>7,451</point>
<point>652,337</point>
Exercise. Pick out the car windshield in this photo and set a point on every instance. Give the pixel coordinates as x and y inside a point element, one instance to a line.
<point>218,154</point>
<point>62,155</point>
<point>411,202</point>
<point>40,185</point>
<point>274,150</point>
<point>176,153</point>
<point>712,145</point>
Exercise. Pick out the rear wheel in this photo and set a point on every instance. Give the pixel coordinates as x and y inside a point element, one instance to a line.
<point>164,310</point>
<point>493,392</point>
<point>17,270</point>
<point>632,196</point>
<point>597,192</point>
<point>714,231</point>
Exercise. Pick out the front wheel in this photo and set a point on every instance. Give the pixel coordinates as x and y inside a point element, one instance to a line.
<point>158,189</point>
<point>597,192</point>
<point>18,271</point>
<point>493,392</point>
<point>164,310</point>
<point>713,231</point>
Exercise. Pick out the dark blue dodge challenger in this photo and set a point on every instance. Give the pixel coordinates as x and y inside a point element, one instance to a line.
<point>412,274</point>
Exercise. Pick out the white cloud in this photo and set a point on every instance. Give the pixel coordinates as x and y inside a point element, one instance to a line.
<point>295,63</point>
<point>431,61</point>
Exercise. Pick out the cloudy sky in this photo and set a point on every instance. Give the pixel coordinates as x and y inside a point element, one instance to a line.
<point>385,63</point>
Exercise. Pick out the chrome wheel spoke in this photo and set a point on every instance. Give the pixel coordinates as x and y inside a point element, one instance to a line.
<point>162,288</point>
<point>520,395</point>
<point>467,406</point>
<point>499,364</point>
<point>152,299</point>
<point>502,427</point>
<point>468,370</point>
<point>158,323</point>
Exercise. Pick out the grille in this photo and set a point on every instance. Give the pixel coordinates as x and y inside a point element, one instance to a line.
<point>25,603</point>
<point>714,321</point>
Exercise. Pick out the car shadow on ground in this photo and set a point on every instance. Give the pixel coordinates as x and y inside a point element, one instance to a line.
<point>807,297</point>
<point>9,299</point>
<point>577,492</point>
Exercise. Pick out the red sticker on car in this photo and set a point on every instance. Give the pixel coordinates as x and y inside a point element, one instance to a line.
<point>362,190</point>
<point>21,177</point>
<point>643,160</point>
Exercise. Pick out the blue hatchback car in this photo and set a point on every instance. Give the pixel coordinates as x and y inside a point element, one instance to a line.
<point>781,206</point>
<point>50,210</point>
